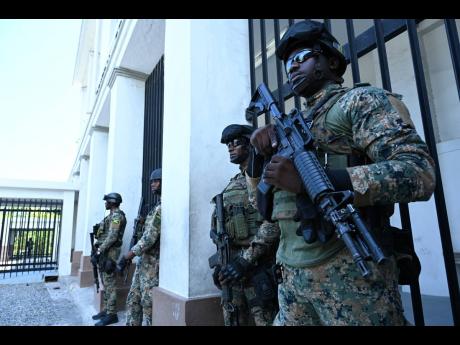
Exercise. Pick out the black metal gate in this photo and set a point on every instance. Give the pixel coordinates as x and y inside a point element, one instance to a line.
<point>262,43</point>
<point>153,131</point>
<point>29,237</point>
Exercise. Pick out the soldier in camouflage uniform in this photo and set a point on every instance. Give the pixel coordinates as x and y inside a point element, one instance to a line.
<point>254,297</point>
<point>321,283</point>
<point>147,249</point>
<point>109,238</point>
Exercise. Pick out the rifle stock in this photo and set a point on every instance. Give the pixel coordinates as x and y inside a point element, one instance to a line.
<point>134,239</point>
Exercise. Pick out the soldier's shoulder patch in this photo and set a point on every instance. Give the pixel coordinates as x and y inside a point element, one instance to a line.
<point>116,221</point>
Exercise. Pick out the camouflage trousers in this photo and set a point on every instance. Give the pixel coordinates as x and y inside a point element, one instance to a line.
<point>335,293</point>
<point>248,315</point>
<point>110,293</point>
<point>139,300</point>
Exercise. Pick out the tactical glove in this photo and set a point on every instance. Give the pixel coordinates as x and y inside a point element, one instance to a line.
<point>236,270</point>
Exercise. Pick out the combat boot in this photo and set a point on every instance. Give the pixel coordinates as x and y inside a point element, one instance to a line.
<point>107,320</point>
<point>99,315</point>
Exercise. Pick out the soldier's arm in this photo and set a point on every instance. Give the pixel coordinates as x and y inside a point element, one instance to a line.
<point>151,233</point>
<point>112,234</point>
<point>403,170</point>
<point>264,242</point>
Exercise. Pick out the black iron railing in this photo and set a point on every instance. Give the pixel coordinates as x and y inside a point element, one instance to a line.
<point>153,131</point>
<point>29,237</point>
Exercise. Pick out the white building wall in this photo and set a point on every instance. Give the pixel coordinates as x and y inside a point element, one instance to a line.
<point>206,88</point>
<point>95,210</point>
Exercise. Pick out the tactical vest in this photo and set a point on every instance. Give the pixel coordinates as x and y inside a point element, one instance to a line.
<point>242,220</point>
<point>337,152</point>
<point>104,227</point>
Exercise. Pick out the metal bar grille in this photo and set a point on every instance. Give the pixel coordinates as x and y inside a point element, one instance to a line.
<point>352,51</point>
<point>153,131</point>
<point>454,47</point>
<point>29,236</point>
<point>403,208</point>
<point>443,221</point>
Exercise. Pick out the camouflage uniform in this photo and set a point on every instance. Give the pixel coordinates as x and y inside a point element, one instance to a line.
<point>139,300</point>
<point>242,221</point>
<point>321,284</point>
<point>109,237</point>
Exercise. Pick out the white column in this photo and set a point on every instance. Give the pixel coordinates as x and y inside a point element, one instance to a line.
<point>65,241</point>
<point>95,210</point>
<point>80,235</point>
<point>207,87</point>
<point>124,152</point>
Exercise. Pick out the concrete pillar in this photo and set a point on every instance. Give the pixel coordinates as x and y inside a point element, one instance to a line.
<point>124,152</point>
<point>65,241</point>
<point>206,88</point>
<point>94,211</point>
<point>125,155</point>
<point>80,235</point>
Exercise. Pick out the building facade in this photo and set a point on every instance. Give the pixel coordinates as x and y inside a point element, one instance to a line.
<point>157,93</point>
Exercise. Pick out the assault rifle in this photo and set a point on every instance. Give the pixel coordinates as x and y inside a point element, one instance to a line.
<point>93,255</point>
<point>138,222</point>
<point>222,258</point>
<point>295,142</point>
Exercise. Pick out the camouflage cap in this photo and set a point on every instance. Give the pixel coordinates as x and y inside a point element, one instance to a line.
<point>311,32</point>
<point>235,131</point>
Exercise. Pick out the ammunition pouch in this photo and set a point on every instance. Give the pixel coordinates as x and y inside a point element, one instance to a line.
<point>266,289</point>
<point>394,241</point>
<point>311,227</point>
<point>237,226</point>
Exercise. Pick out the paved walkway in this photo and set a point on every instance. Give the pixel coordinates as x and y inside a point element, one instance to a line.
<point>60,303</point>
<point>26,300</point>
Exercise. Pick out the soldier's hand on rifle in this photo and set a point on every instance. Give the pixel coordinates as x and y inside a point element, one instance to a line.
<point>264,140</point>
<point>281,173</point>
<point>121,264</point>
<point>215,277</point>
<point>95,258</point>
<point>235,271</point>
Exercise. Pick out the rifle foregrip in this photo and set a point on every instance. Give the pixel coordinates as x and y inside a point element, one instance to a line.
<point>312,174</point>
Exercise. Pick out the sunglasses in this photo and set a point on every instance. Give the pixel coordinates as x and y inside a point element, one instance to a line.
<point>299,57</point>
<point>236,142</point>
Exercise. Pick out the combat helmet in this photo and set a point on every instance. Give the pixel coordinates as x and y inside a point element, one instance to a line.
<point>113,198</point>
<point>311,32</point>
<point>156,174</point>
<point>235,131</point>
